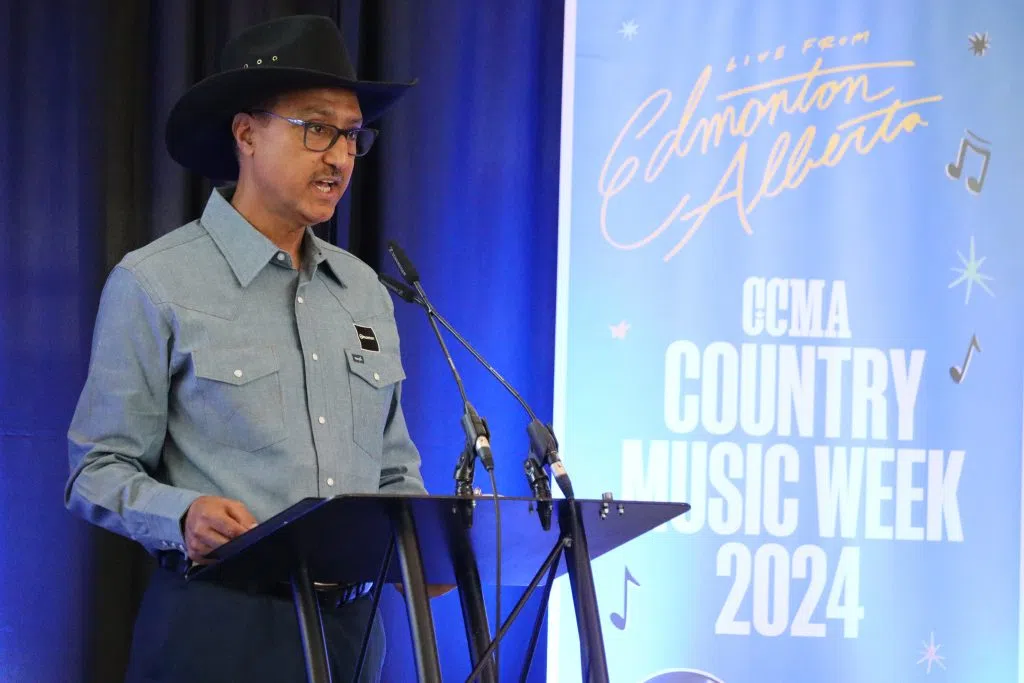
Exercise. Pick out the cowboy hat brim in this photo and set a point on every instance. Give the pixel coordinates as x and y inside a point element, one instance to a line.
<point>198,133</point>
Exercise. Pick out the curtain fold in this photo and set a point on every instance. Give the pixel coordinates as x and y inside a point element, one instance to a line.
<point>468,171</point>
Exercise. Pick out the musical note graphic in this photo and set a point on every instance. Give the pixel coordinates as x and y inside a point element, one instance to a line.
<point>958,374</point>
<point>974,183</point>
<point>619,620</point>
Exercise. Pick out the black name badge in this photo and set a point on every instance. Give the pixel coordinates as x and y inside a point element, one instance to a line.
<point>367,339</point>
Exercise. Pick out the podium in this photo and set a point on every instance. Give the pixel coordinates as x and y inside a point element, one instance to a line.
<point>437,540</point>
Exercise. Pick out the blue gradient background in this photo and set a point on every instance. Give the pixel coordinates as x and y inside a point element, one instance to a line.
<point>890,224</point>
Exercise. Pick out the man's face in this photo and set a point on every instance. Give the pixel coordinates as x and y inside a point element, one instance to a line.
<point>293,183</point>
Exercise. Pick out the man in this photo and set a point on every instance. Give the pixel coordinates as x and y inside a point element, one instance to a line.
<point>240,364</point>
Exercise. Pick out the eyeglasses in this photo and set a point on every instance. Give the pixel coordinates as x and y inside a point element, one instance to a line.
<point>320,137</point>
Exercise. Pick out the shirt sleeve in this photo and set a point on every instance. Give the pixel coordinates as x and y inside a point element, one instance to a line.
<point>400,469</point>
<point>120,423</point>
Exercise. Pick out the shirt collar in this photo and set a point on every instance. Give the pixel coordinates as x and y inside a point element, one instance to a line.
<point>325,252</point>
<point>245,248</point>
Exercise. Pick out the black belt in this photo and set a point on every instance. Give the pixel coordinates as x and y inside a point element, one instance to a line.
<point>329,595</point>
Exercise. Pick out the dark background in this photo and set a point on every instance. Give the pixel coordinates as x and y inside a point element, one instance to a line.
<point>464,176</point>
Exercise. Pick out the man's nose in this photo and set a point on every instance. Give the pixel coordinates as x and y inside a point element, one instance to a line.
<point>340,156</point>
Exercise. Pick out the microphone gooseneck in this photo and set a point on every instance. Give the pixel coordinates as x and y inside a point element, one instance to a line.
<point>543,444</point>
<point>475,427</point>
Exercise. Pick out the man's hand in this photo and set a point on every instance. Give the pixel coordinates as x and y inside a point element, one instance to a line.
<point>434,590</point>
<point>210,522</point>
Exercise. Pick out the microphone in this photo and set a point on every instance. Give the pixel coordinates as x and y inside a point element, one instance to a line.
<point>405,266</point>
<point>543,445</point>
<point>478,438</point>
<point>404,291</point>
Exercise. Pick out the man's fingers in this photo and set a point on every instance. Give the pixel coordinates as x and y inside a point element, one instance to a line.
<point>226,526</point>
<point>198,554</point>
<point>204,542</point>
<point>238,512</point>
<point>209,538</point>
<point>197,551</point>
<point>211,522</point>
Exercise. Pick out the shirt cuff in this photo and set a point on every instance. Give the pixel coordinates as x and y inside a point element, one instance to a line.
<point>166,508</point>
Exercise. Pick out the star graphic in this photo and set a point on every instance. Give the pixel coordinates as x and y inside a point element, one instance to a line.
<point>619,331</point>
<point>629,29</point>
<point>979,43</point>
<point>971,273</point>
<point>931,654</point>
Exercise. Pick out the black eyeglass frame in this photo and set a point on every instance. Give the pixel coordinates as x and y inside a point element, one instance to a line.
<point>349,133</point>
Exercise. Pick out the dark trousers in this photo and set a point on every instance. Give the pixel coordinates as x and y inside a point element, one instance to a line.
<point>200,632</point>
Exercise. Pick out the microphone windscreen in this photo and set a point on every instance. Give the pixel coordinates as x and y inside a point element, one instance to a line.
<point>400,288</point>
<point>405,266</point>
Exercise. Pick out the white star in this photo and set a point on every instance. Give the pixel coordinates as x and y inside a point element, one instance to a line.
<point>619,331</point>
<point>979,43</point>
<point>931,654</point>
<point>629,29</point>
<point>971,273</point>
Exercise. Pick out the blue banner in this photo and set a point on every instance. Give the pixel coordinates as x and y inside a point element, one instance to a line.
<point>790,295</point>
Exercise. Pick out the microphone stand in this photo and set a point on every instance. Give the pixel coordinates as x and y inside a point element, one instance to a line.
<point>573,541</point>
<point>541,446</point>
<point>467,573</point>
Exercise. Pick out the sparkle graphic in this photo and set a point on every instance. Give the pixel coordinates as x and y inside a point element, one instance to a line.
<point>629,29</point>
<point>619,331</point>
<point>971,274</point>
<point>979,44</point>
<point>931,654</point>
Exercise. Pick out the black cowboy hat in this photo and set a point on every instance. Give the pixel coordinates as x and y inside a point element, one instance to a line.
<point>265,60</point>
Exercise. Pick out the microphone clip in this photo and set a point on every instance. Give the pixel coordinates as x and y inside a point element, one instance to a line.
<point>478,445</point>
<point>541,490</point>
<point>478,436</point>
<point>465,471</point>
<point>544,447</point>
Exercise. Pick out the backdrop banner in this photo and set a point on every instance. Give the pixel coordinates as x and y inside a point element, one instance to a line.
<point>790,294</point>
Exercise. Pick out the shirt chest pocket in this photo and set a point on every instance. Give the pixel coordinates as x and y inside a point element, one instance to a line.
<point>372,379</point>
<point>240,391</point>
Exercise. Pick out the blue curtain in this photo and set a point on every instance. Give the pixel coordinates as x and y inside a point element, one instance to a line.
<point>469,169</point>
<point>464,177</point>
<point>48,198</point>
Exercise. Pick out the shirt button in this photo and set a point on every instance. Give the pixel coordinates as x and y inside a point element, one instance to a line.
<point>376,376</point>
<point>238,373</point>
<point>321,419</point>
<point>316,357</point>
<point>330,481</point>
<point>280,256</point>
<point>300,300</point>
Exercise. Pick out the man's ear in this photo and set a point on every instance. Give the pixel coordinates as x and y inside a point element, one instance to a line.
<point>242,131</point>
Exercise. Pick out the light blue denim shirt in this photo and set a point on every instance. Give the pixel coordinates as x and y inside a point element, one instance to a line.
<point>219,369</point>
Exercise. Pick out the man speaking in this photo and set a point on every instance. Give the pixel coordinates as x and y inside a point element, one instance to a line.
<point>240,364</point>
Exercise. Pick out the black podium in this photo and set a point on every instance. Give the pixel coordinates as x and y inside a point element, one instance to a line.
<point>437,540</point>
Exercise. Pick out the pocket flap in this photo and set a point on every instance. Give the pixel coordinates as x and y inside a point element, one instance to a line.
<point>236,366</point>
<point>379,369</point>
